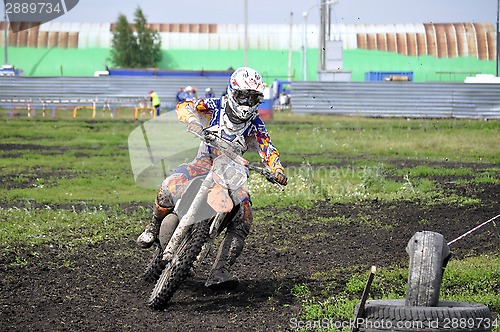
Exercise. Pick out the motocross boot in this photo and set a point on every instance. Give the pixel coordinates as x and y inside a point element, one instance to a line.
<point>150,234</point>
<point>230,248</point>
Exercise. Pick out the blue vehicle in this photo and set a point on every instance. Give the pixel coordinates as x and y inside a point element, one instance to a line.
<point>8,70</point>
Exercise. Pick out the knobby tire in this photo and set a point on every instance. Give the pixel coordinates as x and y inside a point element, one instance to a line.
<point>176,272</point>
<point>155,266</point>
<point>394,315</point>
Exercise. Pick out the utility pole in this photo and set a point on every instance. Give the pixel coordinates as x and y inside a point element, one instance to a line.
<point>498,28</point>
<point>5,41</point>
<point>290,48</point>
<point>322,36</point>
<point>246,33</point>
<point>304,46</point>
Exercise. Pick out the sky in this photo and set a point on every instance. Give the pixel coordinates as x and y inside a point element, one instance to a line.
<point>278,11</point>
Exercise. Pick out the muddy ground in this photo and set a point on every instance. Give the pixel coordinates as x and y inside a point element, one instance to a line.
<point>99,288</point>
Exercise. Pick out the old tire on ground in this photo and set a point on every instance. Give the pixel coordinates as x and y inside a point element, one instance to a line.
<point>179,268</point>
<point>429,254</point>
<point>393,315</point>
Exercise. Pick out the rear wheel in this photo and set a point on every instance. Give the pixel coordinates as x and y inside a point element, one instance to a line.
<point>179,268</point>
<point>155,266</point>
<point>429,254</point>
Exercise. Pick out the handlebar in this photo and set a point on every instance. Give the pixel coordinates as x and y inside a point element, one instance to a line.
<point>267,173</point>
<point>235,154</point>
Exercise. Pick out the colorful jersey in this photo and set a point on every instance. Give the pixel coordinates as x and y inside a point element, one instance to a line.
<point>249,135</point>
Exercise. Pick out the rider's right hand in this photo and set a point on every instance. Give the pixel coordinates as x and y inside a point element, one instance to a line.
<point>209,136</point>
<point>195,127</point>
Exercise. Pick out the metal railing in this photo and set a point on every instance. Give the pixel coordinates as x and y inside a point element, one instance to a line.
<point>371,99</point>
<point>398,99</point>
<point>49,93</point>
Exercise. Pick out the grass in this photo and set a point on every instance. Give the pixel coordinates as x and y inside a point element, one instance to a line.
<point>473,279</point>
<point>87,225</point>
<point>66,180</point>
<point>86,162</point>
<point>348,184</point>
<point>328,138</point>
<point>83,161</point>
<point>68,160</point>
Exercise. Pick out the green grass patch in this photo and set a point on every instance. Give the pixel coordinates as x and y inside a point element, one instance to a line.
<point>93,156</point>
<point>340,159</point>
<point>68,161</point>
<point>474,279</point>
<point>427,171</point>
<point>348,184</point>
<point>324,138</point>
<point>70,226</point>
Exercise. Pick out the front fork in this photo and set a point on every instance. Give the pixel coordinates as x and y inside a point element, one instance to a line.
<point>189,219</point>
<point>216,226</point>
<point>214,231</point>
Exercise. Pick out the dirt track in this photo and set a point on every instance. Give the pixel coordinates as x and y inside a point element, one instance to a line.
<point>100,288</point>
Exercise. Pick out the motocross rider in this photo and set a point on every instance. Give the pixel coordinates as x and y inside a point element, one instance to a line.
<point>233,117</point>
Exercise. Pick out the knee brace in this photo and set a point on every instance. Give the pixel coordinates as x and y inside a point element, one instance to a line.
<point>246,206</point>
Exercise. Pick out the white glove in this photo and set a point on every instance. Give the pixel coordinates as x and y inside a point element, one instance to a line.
<point>195,127</point>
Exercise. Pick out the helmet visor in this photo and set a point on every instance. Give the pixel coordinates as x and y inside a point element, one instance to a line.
<point>248,97</point>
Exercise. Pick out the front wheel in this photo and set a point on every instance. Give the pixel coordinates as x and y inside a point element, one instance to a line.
<point>179,268</point>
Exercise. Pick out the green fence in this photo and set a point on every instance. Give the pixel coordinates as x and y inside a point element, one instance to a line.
<point>273,64</point>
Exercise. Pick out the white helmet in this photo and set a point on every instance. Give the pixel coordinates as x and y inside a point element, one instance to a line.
<point>245,92</point>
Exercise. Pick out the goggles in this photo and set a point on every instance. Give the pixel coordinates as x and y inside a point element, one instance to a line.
<point>248,97</point>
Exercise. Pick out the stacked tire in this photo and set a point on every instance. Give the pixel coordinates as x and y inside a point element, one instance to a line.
<point>421,310</point>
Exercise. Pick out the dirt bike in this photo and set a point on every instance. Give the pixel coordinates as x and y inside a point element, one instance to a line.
<point>206,207</point>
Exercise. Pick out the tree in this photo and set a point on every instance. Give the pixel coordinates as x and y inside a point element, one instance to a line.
<point>135,49</point>
<point>123,45</point>
<point>148,42</point>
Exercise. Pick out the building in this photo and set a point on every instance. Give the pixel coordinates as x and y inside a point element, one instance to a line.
<point>432,52</point>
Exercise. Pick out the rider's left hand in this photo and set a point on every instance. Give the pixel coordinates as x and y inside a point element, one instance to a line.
<point>280,177</point>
